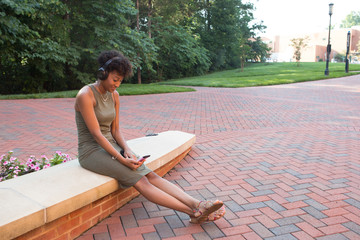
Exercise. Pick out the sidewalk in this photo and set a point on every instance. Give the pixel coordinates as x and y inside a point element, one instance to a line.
<point>284,159</point>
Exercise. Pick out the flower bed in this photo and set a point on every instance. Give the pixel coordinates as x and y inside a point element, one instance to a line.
<point>11,167</point>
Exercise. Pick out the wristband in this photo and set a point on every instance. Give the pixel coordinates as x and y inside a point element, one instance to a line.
<point>114,158</point>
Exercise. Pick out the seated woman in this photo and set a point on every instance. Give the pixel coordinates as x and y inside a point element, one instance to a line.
<point>100,143</point>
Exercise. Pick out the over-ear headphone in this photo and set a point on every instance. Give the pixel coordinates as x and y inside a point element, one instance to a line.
<point>102,72</point>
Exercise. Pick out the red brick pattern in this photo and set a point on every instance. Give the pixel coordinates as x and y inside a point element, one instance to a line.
<point>284,159</point>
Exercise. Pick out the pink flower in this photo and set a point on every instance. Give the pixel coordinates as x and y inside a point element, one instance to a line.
<point>5,163</point>
<point>37,168</point>
<point>30,160</point>
<point>46,166</point>
<point>58,152</point>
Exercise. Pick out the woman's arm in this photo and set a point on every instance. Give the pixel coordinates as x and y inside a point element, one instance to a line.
<point>85,104</point>
<point>115,129</point>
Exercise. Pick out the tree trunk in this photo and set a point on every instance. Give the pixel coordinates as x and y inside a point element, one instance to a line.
<point>207,15</point>
<point>138,29</point>
<point>149,17</point>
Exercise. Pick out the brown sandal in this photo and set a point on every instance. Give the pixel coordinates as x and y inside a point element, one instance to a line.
<point>203,216</point>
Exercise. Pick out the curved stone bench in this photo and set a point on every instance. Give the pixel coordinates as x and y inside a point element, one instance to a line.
<point>65,200</point>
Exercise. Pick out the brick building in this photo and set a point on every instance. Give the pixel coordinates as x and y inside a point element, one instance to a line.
<point>316,49</point>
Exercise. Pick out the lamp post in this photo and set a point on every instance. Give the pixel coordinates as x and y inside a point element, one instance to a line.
<point>328,49</point>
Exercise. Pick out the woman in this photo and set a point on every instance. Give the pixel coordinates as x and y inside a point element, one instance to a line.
<point>101,144</point>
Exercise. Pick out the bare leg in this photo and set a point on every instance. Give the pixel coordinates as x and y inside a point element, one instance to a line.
<point>172,190</point>
<point>158,196</point>
<point>164,193</point>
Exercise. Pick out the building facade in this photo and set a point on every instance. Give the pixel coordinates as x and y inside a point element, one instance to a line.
<point>282,51</point>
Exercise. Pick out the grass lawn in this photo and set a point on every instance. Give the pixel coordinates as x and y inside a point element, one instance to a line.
<point>257,74</point>
<point>124,89</point>
<point>262,74</point>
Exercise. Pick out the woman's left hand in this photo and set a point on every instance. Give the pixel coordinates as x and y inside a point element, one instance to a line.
<point>129,154</point>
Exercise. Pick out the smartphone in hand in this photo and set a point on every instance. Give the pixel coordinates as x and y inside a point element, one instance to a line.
<point>143,158</point>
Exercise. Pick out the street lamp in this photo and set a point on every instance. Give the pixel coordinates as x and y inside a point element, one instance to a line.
<point>328,49</point>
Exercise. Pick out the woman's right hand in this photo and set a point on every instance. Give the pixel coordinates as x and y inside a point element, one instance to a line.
<point>132,163</point>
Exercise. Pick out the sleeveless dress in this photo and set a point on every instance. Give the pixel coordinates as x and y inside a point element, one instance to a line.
<point>92,156</point>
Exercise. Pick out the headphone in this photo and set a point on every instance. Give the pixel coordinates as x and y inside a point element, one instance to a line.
<point>102,73</point>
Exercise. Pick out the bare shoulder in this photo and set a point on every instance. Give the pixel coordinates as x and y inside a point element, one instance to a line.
<point>84,96</point>
<point>116,97</point>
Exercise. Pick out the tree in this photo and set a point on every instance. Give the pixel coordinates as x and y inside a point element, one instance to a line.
<point>53,45</point>
<point>299,44</point>
<point>170,23</point>
<point>34,46</point>
<point>104,25</point>
<point>352,19</point>
<point>225,27</point>
<point>180,54</point>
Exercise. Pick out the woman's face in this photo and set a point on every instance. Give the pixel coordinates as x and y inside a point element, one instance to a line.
<point>113,81</point>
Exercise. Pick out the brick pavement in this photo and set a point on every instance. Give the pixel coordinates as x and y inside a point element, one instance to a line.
<point>284,159</point>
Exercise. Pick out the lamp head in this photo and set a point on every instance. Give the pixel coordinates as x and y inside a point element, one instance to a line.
<point>331,5</point>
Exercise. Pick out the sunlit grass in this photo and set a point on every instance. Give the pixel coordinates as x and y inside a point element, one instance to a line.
<point>264,74</point>
<point>259,74</point>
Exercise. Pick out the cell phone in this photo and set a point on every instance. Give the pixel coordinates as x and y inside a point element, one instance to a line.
<point>143,158</point>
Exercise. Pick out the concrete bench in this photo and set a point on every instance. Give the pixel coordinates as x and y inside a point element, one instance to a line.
<point>65,200</point>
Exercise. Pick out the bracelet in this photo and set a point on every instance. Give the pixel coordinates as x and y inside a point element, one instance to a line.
<point>114,158</point>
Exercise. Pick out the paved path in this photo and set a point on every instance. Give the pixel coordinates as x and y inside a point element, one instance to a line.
<point>284,159</point>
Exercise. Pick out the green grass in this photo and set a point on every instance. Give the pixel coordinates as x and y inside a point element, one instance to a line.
<point>262,74</point>
<point>124,89</point>
<point>258,74</point>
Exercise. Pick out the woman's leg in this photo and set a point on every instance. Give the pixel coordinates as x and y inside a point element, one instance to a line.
<point>172,190</point>
<point>201,209</point>
<point>158,196</point>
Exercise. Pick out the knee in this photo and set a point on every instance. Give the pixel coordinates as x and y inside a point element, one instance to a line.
<point>142,183</point>
<point>152,176</point>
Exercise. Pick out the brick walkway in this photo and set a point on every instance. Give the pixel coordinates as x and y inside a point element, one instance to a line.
<point>284,159</point>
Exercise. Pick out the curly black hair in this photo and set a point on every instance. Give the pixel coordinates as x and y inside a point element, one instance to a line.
<point>120,64</point>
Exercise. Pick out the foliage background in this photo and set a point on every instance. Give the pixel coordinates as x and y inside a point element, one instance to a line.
<point>52,45</point>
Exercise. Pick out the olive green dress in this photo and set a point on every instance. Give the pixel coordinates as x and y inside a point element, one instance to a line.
<point>92,156</point>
